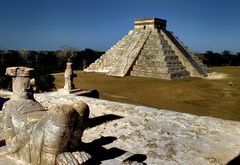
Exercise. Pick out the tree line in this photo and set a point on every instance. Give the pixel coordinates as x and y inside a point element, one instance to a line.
<point>44,63</point>
<point>47,62</point>
<point>225,58</point>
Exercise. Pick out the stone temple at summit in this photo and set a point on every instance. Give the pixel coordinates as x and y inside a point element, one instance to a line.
<point>150,50</point>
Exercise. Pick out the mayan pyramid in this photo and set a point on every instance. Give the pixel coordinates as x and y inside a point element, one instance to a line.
<point>149,51</point>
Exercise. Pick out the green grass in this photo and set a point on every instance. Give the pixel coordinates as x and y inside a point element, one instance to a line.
<point>193,95</point>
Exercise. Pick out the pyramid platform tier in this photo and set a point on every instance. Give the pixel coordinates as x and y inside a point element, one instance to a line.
<point>167,76</point>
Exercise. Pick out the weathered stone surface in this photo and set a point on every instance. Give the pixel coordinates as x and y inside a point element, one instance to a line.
<point>75,158</point>
<point>149,41</point>
<point>69,75</point>
<point>195,67</point>
<point>157,136</point>
<point>105,63</point>
<point>69,87</point>
<point>157,59</point>
<point>125,62</point>
<point>21,81</point>
<point>164,137</point>
<point>32,134</point>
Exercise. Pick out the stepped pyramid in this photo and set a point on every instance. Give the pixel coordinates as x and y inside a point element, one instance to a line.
<point>149,51</point>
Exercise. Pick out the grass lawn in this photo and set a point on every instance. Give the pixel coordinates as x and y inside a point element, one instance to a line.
<point>193,95</point>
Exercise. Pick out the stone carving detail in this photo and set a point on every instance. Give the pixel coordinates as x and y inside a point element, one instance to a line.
<point>36,136</point>
<point>69,75</point>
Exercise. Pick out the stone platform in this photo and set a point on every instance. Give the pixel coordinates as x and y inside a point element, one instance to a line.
<point>122,133</point>
<point>80,92</point>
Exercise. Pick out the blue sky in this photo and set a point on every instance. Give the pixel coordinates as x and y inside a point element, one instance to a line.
<point>98,24</point>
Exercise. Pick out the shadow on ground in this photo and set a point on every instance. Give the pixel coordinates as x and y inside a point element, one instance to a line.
<point>2,101</point>
<point>136,158</point>
<point>235,161</point>
<point>100,153</point>
<point>102,119</point>
<point>2,143</point>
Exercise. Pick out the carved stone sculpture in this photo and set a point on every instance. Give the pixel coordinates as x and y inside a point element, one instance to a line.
<point>69,75</point>
<point>69,87</point>
<point>36,136</point>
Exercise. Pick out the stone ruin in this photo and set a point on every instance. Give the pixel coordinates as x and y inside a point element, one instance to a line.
<point>69,87</point>
<point>69,75</point>
<point>118,133</point>
<point>150,50</point>
<point>34,135</point>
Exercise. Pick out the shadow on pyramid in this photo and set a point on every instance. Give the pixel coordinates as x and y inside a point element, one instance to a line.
<point>149,51</point>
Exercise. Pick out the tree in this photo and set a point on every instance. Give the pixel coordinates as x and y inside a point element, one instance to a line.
<point>226,53</point>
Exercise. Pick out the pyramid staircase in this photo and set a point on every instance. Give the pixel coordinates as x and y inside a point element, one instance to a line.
<point>160,60</point>
<point>149,51</point>
<point>198,61</point>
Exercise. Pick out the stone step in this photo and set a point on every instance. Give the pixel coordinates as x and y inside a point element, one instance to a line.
<point>176,69</point>
<point>131,52</point>
<point>157,57</point>
<point>150,69</point>
<point>168,76</point>
<point>168,51</point>
<point>152,61</point>
<point>160,52</point>
<point>164,42</point>
<point>157,47</point>
<point>159,69</point>
<point>158,63</point>
<point>153,42</point>
<point>201,64</point>
<point>180,74</point>
<point>156,66</point>
<point>151,75</point>
<point>154,37</point>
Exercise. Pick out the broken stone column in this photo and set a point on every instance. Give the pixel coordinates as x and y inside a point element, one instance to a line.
<point>22,90</point>
<point>21,81</point>
<point>36,136</point>
<point>69,87</point>
<point>69,75</point>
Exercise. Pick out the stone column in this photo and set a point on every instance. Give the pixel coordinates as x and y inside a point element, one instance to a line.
<point>21,81</point>
<point>69,75</point>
